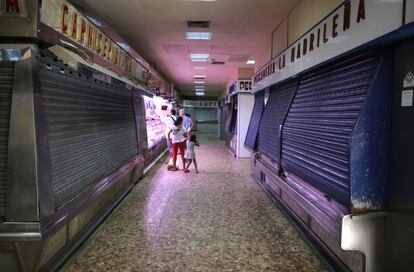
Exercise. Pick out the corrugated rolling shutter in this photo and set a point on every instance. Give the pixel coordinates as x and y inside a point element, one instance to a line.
<point>90,128</point>
<point>319,125</point>
<point>272,119</point>
<point>6,87</point>
<point>251,136</point>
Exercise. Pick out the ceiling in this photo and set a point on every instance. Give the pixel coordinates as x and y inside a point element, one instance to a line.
<point>155,29</point>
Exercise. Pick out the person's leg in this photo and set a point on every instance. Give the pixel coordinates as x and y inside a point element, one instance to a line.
<point>169,146</point>
<point>195,164</point>
<point>188,165</point>
<point>182,151</point>
<point>174,155</point>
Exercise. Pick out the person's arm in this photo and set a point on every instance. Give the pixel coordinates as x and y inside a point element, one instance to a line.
<point>169,135</point>
<point>196,143</point>
<point>191,123</point>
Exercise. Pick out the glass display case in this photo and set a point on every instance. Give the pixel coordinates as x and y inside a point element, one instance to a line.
<point>156,109</point>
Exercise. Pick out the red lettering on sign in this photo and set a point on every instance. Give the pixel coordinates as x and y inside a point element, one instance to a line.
<point>63,25</point>
<point>361,11</point>
<point>334,26</point>
<point>298,51</point>
<point>347,15</point>
<point>319,37</point>
<point>311,42</point>
<point>325,39</point>
<point>305,46</point>
<point>83,31</point>
<point>74,25</point>
<point>13,6</point>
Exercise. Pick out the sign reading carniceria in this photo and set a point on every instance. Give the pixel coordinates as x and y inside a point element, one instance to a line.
<point>65,19</point>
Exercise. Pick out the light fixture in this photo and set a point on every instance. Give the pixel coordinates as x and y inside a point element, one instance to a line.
<point>199,67</point>
<point>198,35</point>
<point>199,76</point>
<point>199,86</point>
<point>199,93</point>
<point>199,82</point>
<point>199,57</point>
<point>250,62</point>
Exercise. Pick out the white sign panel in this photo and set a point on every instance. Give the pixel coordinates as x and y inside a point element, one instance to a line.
<point>244,86</point>
<point>407,98</point>
<point>200,104</point>
<point>408,80</point>
<point>354,23</point>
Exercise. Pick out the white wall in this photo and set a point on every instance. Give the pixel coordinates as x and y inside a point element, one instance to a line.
<point>245,106</point>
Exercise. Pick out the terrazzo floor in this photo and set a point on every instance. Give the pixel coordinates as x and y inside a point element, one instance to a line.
<point>217,220</point>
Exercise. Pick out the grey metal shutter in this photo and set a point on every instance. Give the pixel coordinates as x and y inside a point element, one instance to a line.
<point>6,88</point>
<point>318,128</point>
<point>251,136</point>
<point>273,117</point>
<point>90,127</point>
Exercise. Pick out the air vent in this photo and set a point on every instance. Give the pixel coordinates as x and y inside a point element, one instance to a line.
<point>198,24</point>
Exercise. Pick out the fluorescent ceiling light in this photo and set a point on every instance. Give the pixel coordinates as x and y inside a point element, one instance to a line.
<point>199,76</point>
<point>199,87</point>
<point>198,35</point>
<point>199,67</point>
<point>199,82</point>
<point>199,57</point>
<point>200,93</point>
<point>250,62</point>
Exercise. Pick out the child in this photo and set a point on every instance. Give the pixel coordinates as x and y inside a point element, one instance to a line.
<point>190,153</point>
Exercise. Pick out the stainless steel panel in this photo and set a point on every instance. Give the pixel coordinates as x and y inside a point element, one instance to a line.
<point>22,194</point>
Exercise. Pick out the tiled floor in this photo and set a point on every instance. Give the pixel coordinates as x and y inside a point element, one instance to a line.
<point>217,220</point>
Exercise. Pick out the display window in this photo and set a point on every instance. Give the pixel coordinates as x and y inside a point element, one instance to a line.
<point>156,112</point>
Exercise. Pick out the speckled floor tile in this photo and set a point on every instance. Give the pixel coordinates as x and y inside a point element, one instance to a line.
<point>218,220</point>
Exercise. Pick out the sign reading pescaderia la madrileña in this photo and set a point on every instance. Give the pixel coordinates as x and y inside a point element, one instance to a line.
<point>200,104</point>
<point>65,19</point>
<point>352,24</point>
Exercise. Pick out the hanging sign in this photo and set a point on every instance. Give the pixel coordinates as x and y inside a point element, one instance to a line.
<point>200,104</point>
<point>352,24</point>
<point>13,8</point>
<point>68,21</point>
<point>244,86</point>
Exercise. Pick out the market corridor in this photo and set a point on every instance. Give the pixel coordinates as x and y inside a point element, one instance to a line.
<point>217,220</point>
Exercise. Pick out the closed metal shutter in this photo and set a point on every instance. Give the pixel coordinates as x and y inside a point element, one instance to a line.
<point>273,117</point>
<point>6,88</point>
<point>253,129</point>
<point>90,129</point>
<point>319,125</point>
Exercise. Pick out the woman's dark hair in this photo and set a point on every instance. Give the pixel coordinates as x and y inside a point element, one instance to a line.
<point>173,112</point>
<point>179,121</point>
<point>193,138</point>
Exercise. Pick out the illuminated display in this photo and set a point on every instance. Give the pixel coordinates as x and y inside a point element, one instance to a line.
<point>156,112</point>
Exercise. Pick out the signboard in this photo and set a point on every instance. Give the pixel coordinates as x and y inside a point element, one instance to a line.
<point>79,30</point>
<point>244,86</point>
<point>232,88</point>
<point>352,24</point>
<point>200,104</point>
<point>18,18</point>
<point>13,8</point>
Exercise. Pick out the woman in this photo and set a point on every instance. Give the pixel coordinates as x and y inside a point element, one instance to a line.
<point>178,139</point>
